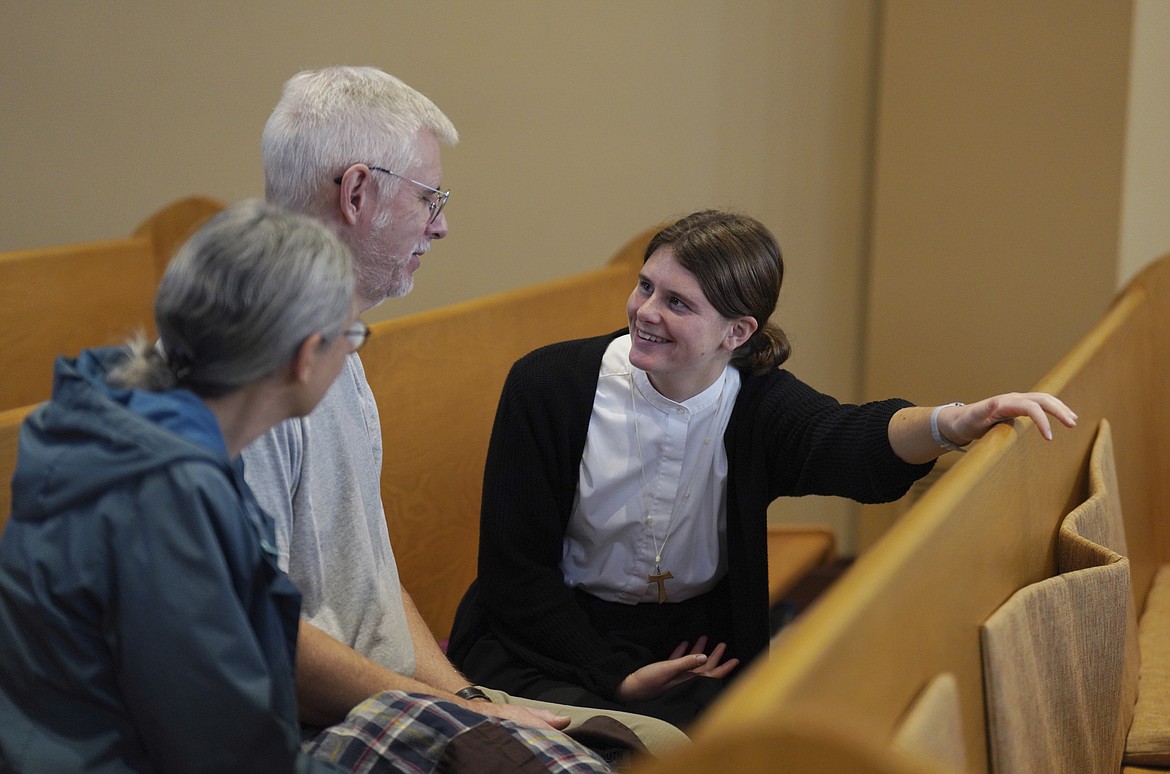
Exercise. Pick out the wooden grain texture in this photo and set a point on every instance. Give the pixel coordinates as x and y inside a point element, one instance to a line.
<point>60,300</point>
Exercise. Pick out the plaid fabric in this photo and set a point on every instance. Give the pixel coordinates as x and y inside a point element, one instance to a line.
<point>404,732</point>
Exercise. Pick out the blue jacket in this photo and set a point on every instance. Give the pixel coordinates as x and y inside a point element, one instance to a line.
<point>144,624</point>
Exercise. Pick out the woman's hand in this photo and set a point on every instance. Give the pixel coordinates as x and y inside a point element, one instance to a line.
<point>913,441</point>
<point>655,679</point>
<point>963,424</point>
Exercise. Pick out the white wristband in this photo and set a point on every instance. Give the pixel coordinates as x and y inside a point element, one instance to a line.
<point>937,435</point>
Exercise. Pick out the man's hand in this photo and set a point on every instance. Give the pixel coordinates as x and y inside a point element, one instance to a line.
<point>535,717</point>
<point>655,679</point>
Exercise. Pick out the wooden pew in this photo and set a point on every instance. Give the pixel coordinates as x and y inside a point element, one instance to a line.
<point>62,299</point>
<point>910,609</point>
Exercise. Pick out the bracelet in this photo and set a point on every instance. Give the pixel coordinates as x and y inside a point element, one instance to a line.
<point>471,693</point>
<point>937,435</point>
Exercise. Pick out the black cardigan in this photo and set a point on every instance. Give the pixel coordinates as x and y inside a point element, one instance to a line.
<point>783,438</point>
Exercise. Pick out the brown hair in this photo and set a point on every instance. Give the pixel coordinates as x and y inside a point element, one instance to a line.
<point>739,268</point>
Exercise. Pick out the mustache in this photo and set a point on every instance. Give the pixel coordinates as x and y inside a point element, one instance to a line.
<point>420,252</point>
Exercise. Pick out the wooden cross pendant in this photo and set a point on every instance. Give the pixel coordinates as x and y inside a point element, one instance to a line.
<point>660,578</point>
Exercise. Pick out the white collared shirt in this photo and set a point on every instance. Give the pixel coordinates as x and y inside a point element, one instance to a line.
<point>609,550</point>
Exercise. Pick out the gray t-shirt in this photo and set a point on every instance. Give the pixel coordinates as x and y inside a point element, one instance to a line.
<point>319,478</point>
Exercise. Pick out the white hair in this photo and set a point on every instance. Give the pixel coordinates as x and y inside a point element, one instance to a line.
<point>329,119</point>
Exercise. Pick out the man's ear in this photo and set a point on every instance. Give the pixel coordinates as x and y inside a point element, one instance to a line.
<point>741,330</point>
<point>356,187</point>
<point>305,359</point>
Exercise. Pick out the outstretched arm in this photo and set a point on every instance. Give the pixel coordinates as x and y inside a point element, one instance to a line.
<point>913,441</point>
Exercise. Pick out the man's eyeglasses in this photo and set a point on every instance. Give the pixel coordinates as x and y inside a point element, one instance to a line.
<point>357,334</point>
<point>436,201</point>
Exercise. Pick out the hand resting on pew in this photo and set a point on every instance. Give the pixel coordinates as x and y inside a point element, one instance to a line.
<point>920,434</point>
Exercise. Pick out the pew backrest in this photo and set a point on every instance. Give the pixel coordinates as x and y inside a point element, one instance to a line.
<point>59,300</point>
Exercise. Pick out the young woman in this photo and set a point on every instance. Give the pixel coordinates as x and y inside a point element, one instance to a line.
<point>623,526</point>
<point>144,625</point>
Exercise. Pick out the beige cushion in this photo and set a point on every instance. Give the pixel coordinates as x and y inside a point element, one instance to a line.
<point>932,729</point>
<point>1098,519</point>
<point>1148,743</point>
<point>1053,672</point>
<point>1094,534</point>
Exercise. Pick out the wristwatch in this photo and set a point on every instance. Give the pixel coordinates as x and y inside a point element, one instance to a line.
<point>471,693</point>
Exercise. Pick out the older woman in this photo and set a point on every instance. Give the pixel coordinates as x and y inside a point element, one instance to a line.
<point>144,625</point>
<point>622,556</point>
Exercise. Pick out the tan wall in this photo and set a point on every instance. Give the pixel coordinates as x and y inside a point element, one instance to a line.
<point>1019,146</point>
<point>584,123</point>
<point>997,191</point>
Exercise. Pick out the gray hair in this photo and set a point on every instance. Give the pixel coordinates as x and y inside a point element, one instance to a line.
<point>329,119</point>
<point>239,298</point>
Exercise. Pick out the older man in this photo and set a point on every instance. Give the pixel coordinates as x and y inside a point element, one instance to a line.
<point>360,150</point>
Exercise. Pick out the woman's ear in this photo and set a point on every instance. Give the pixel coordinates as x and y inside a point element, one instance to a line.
<point>740,331</point>
<point>305,359</point>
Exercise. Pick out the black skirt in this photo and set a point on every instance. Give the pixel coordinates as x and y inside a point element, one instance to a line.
<point>652,628</point>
